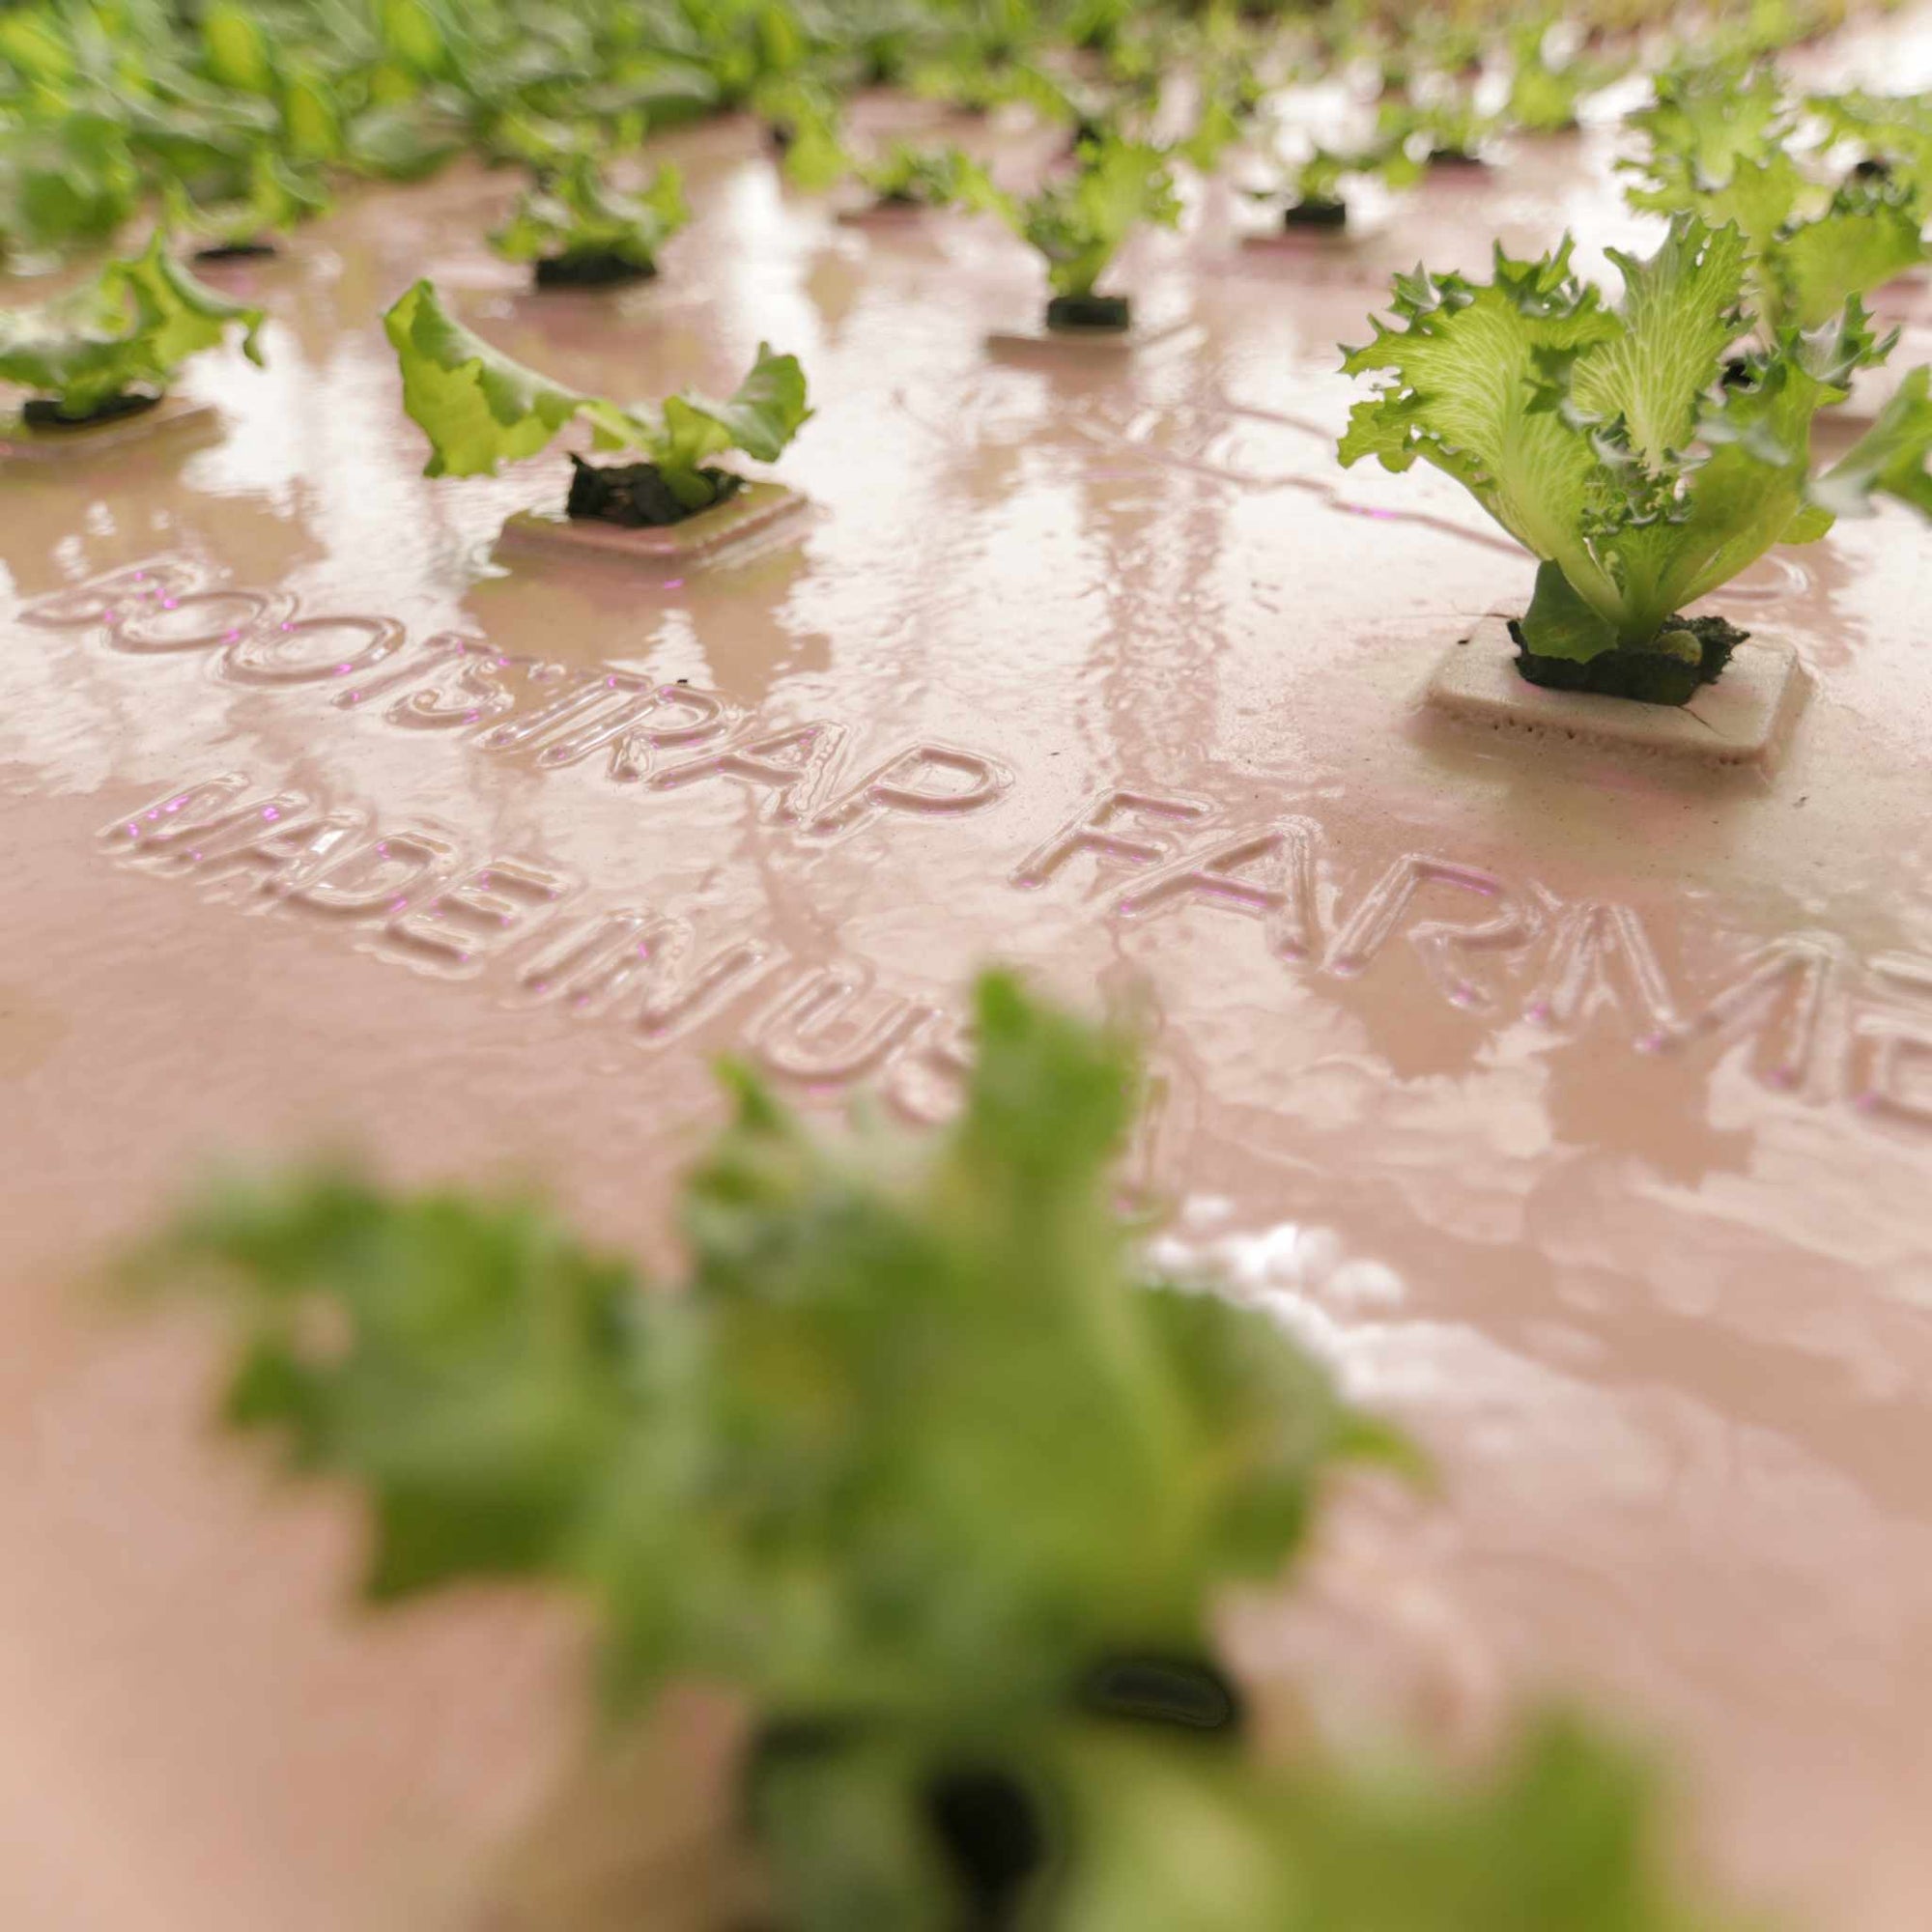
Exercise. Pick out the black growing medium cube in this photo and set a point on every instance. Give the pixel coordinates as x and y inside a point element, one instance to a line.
<point>1648,677</point>
<point>591,269</point>
<point>1109,313</point>
<point>1315,212</point>
<point>254,250</point>
<point>45,412</point>
<point>636,496</point>
<point>998,1822</point>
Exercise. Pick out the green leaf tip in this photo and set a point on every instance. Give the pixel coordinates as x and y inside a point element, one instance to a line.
<point>1888,460</point>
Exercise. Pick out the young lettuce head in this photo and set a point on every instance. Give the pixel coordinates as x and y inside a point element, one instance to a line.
<point>1313,187</point>
<point>481,408</point>
<point>905,175</point>
<point>1080,221</point>
<point>125,334</point>
<point>66,182</point>
<point>278,198</point>
<point>576,225</point>
<point>1606,439</point>
<point>1722,144</point>
<point>1446,128</point>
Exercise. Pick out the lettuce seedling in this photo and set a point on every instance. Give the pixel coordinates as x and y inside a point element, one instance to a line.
<point>1890,135</point>
<point>1546,88</point>
<point>481,410</point>
<point>1314,192</point>
<point>1080,220</point>
<point>279,197</point>
<point>901,175</point>
<point>1608,443</point>
<point>920,1462</point>
<point>581,231</point>
<point>66,182</point>
<point>803,118</point>
<point>1448,129</point>
<point>112,346</point>
<point>913,1457</point>
<point>905,175</point>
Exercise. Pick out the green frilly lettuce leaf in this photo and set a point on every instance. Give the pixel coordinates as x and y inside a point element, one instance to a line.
<point>1890,460</point>
<point>279,197</point>
<point>481,408</point>
<point>1866,237</point>
<point>131,328</point>
<point>911,1436</point>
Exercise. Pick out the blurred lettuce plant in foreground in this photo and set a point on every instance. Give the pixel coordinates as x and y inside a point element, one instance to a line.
<point>919,1465</point>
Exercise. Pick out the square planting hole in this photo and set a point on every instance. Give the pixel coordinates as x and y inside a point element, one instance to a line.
<point>1743,718</point>
<point>666,548</point>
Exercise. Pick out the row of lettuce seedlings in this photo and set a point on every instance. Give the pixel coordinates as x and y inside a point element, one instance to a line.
<point>1643,451</point>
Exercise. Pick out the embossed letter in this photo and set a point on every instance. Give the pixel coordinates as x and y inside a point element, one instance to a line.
<point>795,764</point>
<point>1094,831</point>
<point>377,876</point>
<point>476,916</point>
<point>105,599</point>
<point>1379,916</point>
<point>176,816</point>
<point>822,1033</point>
<point>1282,897</point>
<point>923,780</point>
